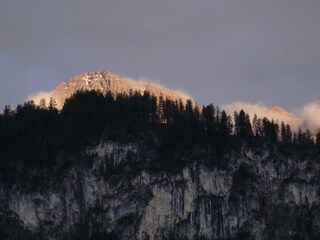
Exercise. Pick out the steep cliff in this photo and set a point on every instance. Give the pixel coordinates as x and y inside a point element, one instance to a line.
<point>258,194</point>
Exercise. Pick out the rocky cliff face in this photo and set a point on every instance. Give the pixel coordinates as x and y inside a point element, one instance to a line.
<point>259,195</point>
<point>104,82</point>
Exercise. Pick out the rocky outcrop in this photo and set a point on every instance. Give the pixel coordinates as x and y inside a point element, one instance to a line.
<point>259,195</point>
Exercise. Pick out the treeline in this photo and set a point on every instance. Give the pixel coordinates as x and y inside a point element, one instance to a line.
<point>36,136</point>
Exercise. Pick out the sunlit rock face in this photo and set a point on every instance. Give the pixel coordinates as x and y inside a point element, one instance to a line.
<point>104,82</point>
<point>260,194</point>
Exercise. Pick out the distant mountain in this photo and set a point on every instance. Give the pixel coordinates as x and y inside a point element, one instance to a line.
<point>282,111</point>
<point>104,82</point>
<point>281,114</point>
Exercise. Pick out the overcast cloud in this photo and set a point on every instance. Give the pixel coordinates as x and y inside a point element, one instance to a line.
<point>215,50</point>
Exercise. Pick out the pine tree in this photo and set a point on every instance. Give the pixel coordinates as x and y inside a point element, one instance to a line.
<point>270,130</point>
<point>294,140</point>
<point>225,127</point>
<point>283,132</point>
<point>299,137</point>
<point>243,128</point>
<point>208,115</point>
<point>288,134</point>
<point>308,137</point>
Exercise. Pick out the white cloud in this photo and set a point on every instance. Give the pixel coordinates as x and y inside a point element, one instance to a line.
<point>310,113</point>
<point>276,113</point>
<point>36,97</point>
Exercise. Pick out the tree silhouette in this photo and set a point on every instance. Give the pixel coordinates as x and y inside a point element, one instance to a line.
<point>243,128</point>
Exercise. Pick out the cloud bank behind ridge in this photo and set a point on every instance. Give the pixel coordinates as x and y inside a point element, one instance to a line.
<point>37,96</point>
<point>306,117</point>
<point>311,115</point>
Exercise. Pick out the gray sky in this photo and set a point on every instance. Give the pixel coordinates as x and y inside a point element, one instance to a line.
<point>218,51</point>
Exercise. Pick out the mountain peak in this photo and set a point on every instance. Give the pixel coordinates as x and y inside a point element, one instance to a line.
<point>283,112</point>
<point>104,82</point>
<point>279,109</point>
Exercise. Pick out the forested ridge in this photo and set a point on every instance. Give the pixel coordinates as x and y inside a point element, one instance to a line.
<point>45,169</point>
<point>34,137</point>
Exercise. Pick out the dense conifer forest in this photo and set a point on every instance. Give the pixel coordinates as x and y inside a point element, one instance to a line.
<point>33,137</point>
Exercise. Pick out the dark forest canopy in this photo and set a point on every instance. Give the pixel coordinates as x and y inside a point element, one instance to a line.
<point>35,136</point>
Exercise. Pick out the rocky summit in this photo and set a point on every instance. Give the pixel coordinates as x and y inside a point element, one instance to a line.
<point>107,81</point>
